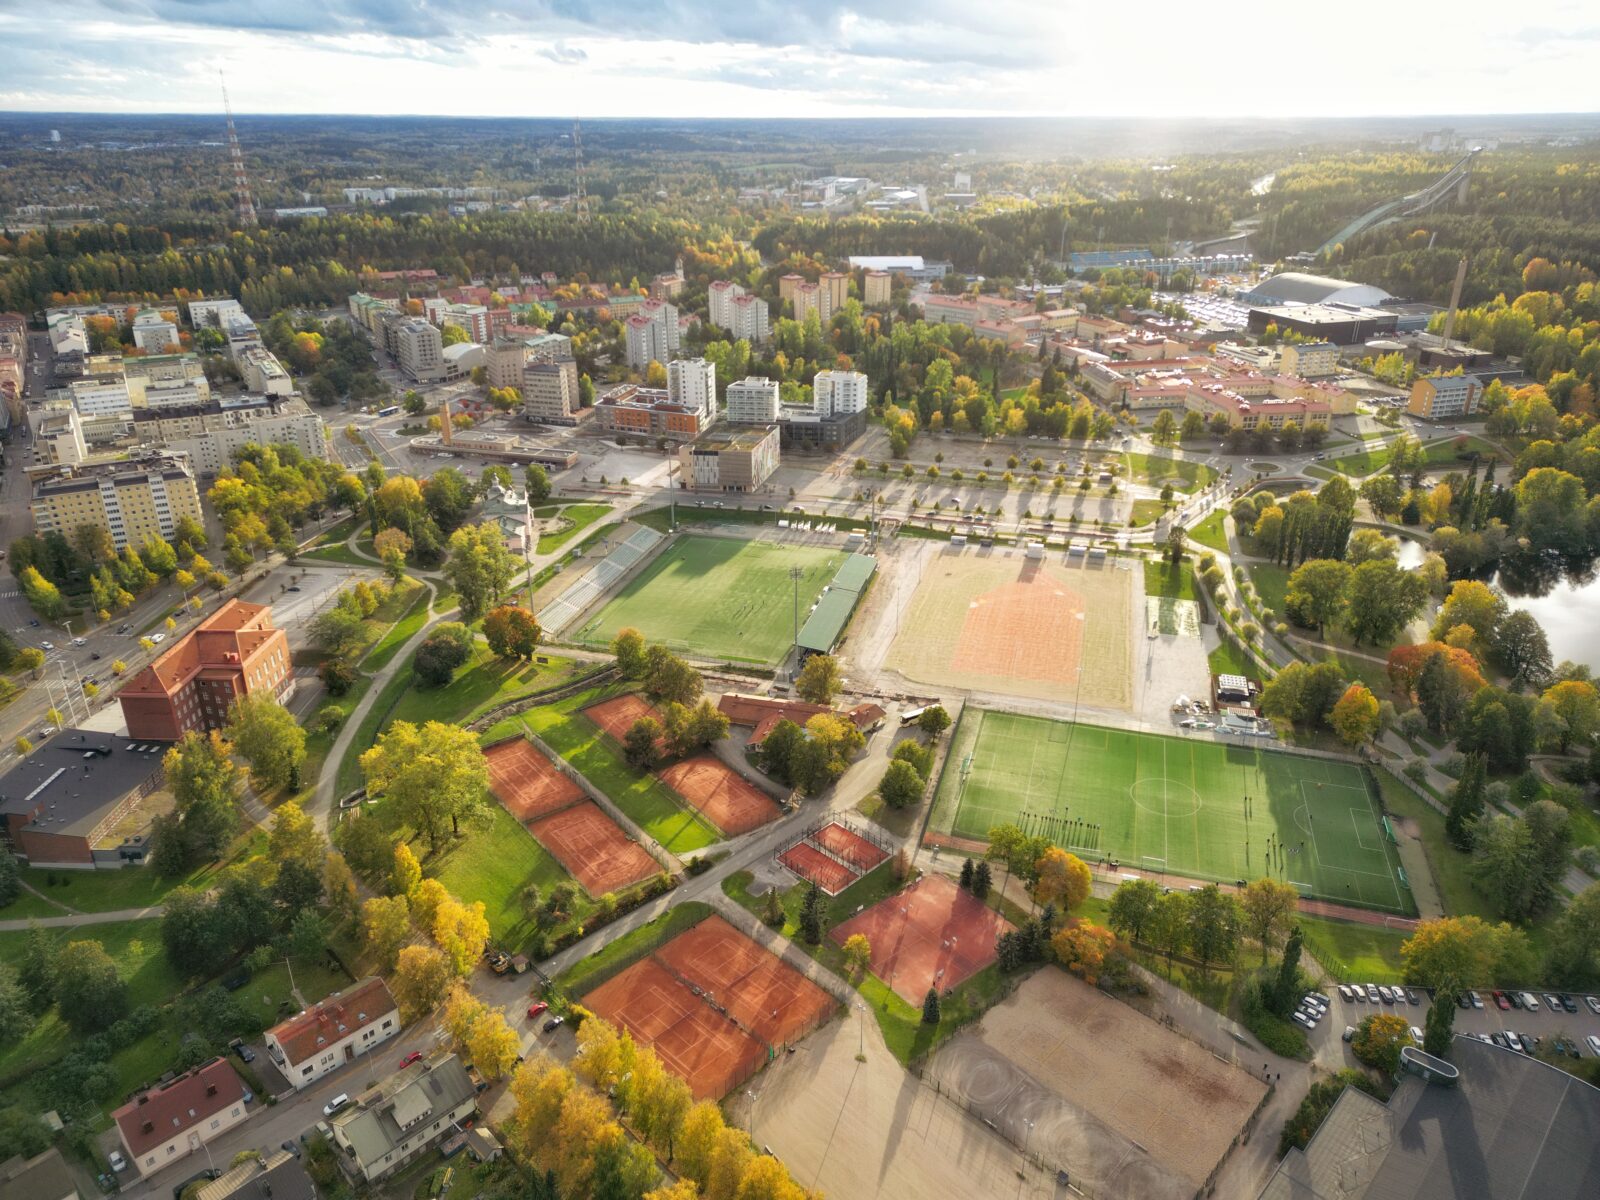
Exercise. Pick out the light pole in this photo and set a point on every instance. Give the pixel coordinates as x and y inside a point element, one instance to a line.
<point>795,573</point>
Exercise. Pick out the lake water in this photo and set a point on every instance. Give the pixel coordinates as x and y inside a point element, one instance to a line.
<point>1411,554</point>
<point>1570,615</point>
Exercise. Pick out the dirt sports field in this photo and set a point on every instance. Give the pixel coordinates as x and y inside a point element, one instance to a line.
<point>713,1004</point>
<point>617,715</point>
<point>833,857</point>
<point>806,861</point>
<point>723,796</point>
<point>850,846</point>
<point>1124,1104</point>
<point>942,938</point>
<point>527,783</point>
<point>594,848</point>
<point>995,621</point>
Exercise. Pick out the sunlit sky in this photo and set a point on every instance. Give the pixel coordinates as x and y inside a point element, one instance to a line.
<point>801,58</point>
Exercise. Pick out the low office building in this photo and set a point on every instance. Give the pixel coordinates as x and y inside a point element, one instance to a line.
<point>43,1177</point>
<point>646,412</point>
<point>403,1116</point>
<point>213,314</point>
<point>737,461</point>
<point>806,429</point>
<point>1490,1123</point>
<point>326,1036</point>
<point>753,401</point>
<point>73,800</point>
<point>160,1126</point>
<point>133,500</point>
<point>1341,324</point>
<point>233,653</point>
<point>1445,397</point>
<point>58,439</point>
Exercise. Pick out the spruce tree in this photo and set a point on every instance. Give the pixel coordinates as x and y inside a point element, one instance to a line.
<point>966,875</point>
<point>930,1007</point>
<point>1466,802</point>
<point>772,914</point>
<point>1288,982</point>
<point>981,880</point>
<point>1439,1028</point>
<point>811,915</point>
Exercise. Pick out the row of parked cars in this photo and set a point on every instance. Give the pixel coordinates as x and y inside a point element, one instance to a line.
<point>1374,993</point>
<point>1554,1001</point>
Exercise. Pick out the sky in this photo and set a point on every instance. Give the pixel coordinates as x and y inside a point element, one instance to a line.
<point>801,58</point>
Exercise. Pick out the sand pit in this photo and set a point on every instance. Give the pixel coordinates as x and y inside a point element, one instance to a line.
<point>997,622</point>
<point>1123,1103</point>
<point>932,934</point>
<point>594,848</point>
<point>527,783</point>
<point>723,796</point>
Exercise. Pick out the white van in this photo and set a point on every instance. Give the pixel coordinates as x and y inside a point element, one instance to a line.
<point>334,1105</point>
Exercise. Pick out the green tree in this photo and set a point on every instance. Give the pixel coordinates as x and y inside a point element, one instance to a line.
<point>1466,802</point>
<point>1379,1039</point>
<point>434,775</point>
<point>811,914</point>
<point>1267,906</point>
<point>1169,931</point>
<point>901,786</point>
<point>480,568</point>
<point>537,481</point>
<point>269,738</point>
<point>1316,592</point>
<point>629,648</point>
<point>1439,1027</point>
<point>1133,907</point>
<point>202,778</point>
<point>1380,601</point>
<point>1213,927</point>
<point>934,720</point>
<point>91,994</point>
<point>445,650</point>
<point>641,744</point>
<point>930,1007</point>
<point>820,679</point>
<point>1287,984</point>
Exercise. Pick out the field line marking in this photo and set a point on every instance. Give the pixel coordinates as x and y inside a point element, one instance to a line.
<point>1355,820</point>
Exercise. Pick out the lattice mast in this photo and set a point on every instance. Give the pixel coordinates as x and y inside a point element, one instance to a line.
<point>580,198</point>
<point>246,207</point>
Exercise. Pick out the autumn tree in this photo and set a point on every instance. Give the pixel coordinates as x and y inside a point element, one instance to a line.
<point>1082,948</point>
<point>406,871</point>
<point>462,931</point>
<point>392,546</point>
<point>857,954</point>
<point>1268,908</point>
<point>629,648</point>
<point>385,928</point>
<point>1355,715</point>
<point>511,632</point>
<point>820,679</point>
<point>1378,1040</point>
<point>434,775</point>
<point>202,778</point>
<point>421,976</point>
<point>1063,879</point>
<point>270,740</point>
<point>480,568</point>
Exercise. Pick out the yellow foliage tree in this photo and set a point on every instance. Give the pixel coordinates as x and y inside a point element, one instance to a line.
<point>426,899</point>
<point>461,1012</point>
<point>386,927</point>
<point>1064,879</point>
<point>407,871</point>
<point>1082,948</point>
<point>420,978</point>
<point>492,1044</point>
<point>462,931</point>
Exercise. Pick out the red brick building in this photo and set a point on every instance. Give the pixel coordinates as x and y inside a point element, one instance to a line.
<point>235,652</point>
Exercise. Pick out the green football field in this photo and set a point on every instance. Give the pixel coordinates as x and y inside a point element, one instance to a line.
<point>724,598</point>
<point>1173,804</point>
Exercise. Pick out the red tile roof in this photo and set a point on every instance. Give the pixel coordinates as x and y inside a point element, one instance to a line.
<point>161,1114</point>
<point>235,629</point>
<point>307,1033</point>
<point>764,714</point>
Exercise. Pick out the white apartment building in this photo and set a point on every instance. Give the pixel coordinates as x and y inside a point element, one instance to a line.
<point>323,1038</point>
<point>213,314</point>
<point>172,1120</point>
<point>753,401</point>
<point>839,393</point>
<point>751,320</point>
<point>100,399</point>
<point>212,434</point>
<point>263,372</point>
<point>152,331</point>
<point>420,350</point>
<point>692,382</point>
<point>721,294</point>
<point>652,334</point>
<point>471,319</point>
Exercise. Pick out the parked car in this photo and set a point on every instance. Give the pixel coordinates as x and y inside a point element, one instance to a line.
<point>1349,1033</point>
<point>1500,1001</point>
<point>1385,994</point>
<point>1462,1001</point>
<point>244,1052</point>
<point>1416,1035</point>
<point>158,638</point>
<point>1594,1045</point>
<point>1568,1003</point>
<point>1301,1017</point>
<point>414,1056</point>
<point>47,645</point>
<point>537,1008</point>
<point>293,1148</point>
<point>1593,1003</point>
<point>1499,1039</point>
<point>1551,1002</point>
<point>118,1163</point>
<point>1516,1000</point>
<point>1530,1001</point>
<point>1345,993</point>
<point>552,1023</point>
<point>1513,1040</point>
<point>1477,1000</point>
<point>1412,997</point>
<point>334,1105</point>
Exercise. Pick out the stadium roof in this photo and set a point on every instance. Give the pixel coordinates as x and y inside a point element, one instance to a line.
<point>855,573</point>
<point>826,623</point>
<point>1513,1128</point>
<point>1295,287</point>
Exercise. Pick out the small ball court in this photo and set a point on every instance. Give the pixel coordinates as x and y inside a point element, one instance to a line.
<point>833,856</point>
<point>723,796</point>
<point>931,935</point>
<point>578,833</point>
<point>617,715</point>
<point>713,1004</point>
<point>594,848</point>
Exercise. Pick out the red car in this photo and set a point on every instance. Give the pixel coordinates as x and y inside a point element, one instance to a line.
<point>414,1056</point>
<point>1501,1002</point>
<point>536,1008</point>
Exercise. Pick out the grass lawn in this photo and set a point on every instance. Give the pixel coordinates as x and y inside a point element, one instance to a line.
<point>1271,583</point>
<point>1228,659</point>
<point>1210,532</point>
<point>1179,803</point>
<point>718,596</point>
<point>581,517</point>
<point>1374,675</point>
<point>1145,512</point>
<point>1370,953</point>
<point>588,973</point>
<point>493,863</point>
<point>1362,462</point>
<point>403,613</point>
<point>27,905</point>
<point>1165,579</point>
<point>1185,475</point>
<point>339,552</point>
<point>1456,889</point>
<point>647,801</point>
<point>908,1039</point>
<point>1449,453</point>
<point>130,887</point>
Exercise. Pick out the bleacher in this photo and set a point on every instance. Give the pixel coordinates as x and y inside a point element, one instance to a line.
<point>555,617</point>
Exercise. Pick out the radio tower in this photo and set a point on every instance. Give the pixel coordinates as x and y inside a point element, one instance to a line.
<point>241,183</point>
<point>580,199</point>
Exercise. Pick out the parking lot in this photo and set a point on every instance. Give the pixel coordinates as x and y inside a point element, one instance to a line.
<point>1485,1017</point>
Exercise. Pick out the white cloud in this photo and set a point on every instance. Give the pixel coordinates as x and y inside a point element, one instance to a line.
<point>766,58</point>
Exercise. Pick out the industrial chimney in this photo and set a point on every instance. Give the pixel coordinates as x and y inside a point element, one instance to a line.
<point>1455,303</point>
<point>444,408</point>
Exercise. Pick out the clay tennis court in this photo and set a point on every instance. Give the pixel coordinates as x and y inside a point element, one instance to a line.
<point>850,846</point>
<point>942,937</point>
<point>617,715</point>
<point>806,861</point>
<point>527,783</point>
<point>723,796</point>
<point>999,622</point>
<point>760,991</point>
<point>694,1041</point>
<point>594,848</point>
<point>748,1001</point>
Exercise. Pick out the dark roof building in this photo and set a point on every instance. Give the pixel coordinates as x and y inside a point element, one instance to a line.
<point>65,803</point>
<point>44,1177</point>
<point>1507,1128</point>
<point>275,1176</point>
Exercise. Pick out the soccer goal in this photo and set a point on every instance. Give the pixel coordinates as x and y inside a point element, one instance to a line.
<point>1158,865</point>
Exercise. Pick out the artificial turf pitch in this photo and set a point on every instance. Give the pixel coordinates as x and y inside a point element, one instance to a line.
<point>720,597</point>
<point>1173,804</point>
